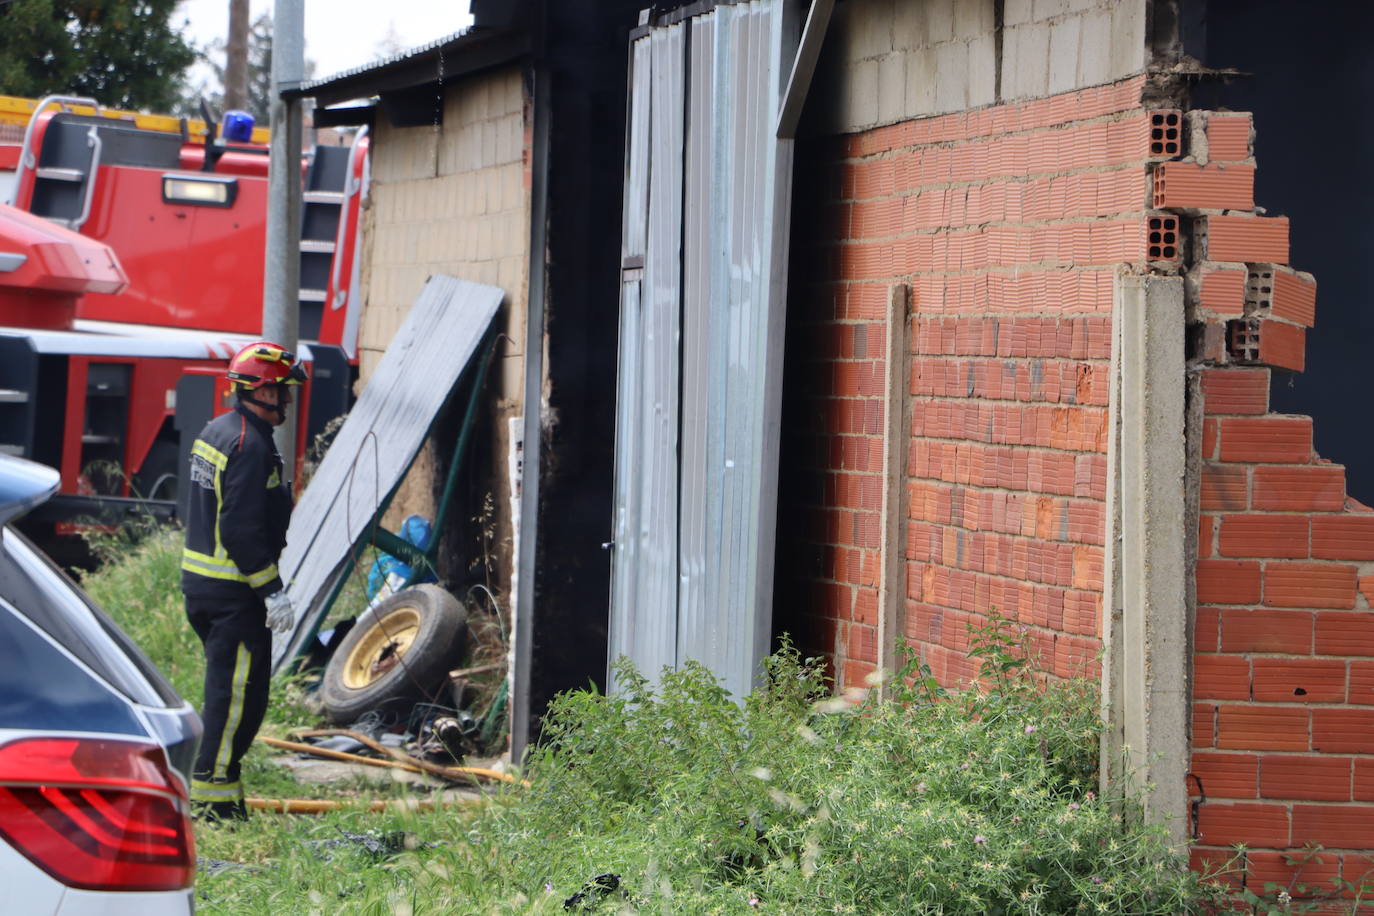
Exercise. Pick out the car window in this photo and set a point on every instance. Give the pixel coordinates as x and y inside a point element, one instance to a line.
<point>42,593</point>
<point>42,688</point>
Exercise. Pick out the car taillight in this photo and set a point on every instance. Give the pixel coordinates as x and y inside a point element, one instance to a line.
<point>97,813</point>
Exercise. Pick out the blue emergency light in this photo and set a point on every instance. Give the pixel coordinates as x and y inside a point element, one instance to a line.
<point>238,127</point>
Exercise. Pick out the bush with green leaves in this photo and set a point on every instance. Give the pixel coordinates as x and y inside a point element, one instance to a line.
<point>792,801</point>
<point>976,802</point>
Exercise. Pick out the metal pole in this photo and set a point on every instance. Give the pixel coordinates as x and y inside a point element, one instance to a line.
<point>282,274</point>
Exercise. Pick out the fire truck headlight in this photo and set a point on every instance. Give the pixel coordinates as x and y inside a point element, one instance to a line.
<point>198,191</point>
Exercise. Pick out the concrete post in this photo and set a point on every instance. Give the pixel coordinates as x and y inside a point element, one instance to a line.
<point>282,269</point>
<point>896,395</point>
<point>1145,607</point>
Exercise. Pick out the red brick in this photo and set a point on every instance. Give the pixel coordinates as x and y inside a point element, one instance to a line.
<point>1228,136</point>
<point>1221,677</point>
<point>1367,589</point>
<point>1289,632</point>
<point>1270,439</point>
<point>1282,345</point>
<point>1206,531</point>
<point>1188,186</point>
<point>1311,488</point>
<point>1362,683</point>
<point>1299,680</point>
<point>1333,826</point>
<point>1363,781</point>
<point>1210,432</point>
<point>1314,585</point>
<point>1263,728</point>
<point>1207,630</point>
<point>1264,536</point>
<point>1226,487</point>
<point>1226,775</point>
<point>1204,725</point>
<point>1343,731</point>
<point>1225,824</point>
<point>1306,777</point>
<point>1345,633</point>
<point>1286,869</point>
<point>1343,537</point>
<point>1272,290</point>
<point>1246,238</point>
<point>1228,582</point>
<point>1295,297</point>
<point>1235,391</point>
<point>1222,292</point>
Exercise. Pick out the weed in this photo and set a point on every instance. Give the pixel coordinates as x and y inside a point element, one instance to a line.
<point>791,800</point>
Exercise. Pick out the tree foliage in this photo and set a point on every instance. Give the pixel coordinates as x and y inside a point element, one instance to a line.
<point>259,73</point>
<point>123,53</point>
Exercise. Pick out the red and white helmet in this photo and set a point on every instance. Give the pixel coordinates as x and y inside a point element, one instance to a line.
<point>264,363</point>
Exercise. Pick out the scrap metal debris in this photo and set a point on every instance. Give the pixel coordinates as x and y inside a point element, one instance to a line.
<point>593,892</point>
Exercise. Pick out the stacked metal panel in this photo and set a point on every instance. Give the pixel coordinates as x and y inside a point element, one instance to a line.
<point>712,435</point>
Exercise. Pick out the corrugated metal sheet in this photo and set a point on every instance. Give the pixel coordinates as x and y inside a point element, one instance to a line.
<point>647,512</point>
<point>713,603</point>
<point>377,443</point>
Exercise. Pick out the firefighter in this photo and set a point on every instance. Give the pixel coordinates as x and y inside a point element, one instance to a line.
<point>236,521</point>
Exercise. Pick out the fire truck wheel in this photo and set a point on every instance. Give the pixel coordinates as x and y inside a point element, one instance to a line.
<point>399,652</point>
<point>157,479</point>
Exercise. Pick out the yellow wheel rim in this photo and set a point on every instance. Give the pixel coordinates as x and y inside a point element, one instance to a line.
<point>382,647</point>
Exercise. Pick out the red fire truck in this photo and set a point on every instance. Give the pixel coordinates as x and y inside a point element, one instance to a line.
<point>131,269</point>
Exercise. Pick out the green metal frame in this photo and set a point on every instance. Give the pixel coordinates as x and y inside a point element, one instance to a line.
<point>420,561</point>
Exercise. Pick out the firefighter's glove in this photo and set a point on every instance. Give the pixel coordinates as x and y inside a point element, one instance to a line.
<point>281,616</point>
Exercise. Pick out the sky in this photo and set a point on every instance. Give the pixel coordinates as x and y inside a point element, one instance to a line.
<point>341,34</point>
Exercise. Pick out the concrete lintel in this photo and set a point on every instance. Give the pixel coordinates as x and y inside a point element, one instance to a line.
<point>897,397</point>
<point>1145,611</point>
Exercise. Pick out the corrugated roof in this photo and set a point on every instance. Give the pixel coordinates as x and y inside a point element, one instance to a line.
<point>473,48</point>
<point>382,63</point>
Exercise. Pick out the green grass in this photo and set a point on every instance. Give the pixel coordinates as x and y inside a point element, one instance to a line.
<point>792,802</point>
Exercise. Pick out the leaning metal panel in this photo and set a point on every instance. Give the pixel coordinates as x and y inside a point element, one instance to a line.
<point>377,443</point>
<point>643,606</point>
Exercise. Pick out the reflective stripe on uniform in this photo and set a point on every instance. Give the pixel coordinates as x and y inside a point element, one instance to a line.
<point>242,660</point>
<point>210,454</point>
<point>221,567</point>
<point>206,790</point>
<point>262,576</point>
<point>214,567</point>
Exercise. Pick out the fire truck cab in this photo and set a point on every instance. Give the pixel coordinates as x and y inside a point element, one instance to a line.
<point>153,232</point>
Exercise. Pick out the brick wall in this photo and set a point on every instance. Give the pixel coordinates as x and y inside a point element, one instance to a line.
<point>1007,222</point>
<point>891,60</point>
<point>1283,719</point>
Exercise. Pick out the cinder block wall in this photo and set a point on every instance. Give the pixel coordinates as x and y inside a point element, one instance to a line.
<point>453,198</point>
<point>1283,676</point>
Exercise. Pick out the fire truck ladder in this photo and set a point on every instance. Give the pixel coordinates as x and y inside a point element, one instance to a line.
<point>321,208</point>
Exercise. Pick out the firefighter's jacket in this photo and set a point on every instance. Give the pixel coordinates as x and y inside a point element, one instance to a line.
<point>237,511</point>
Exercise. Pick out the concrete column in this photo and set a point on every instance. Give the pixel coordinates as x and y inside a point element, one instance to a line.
<point>897,445</point>
<point>1145,605</point>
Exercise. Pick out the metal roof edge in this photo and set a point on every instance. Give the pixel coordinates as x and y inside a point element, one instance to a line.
<point>473,48</point>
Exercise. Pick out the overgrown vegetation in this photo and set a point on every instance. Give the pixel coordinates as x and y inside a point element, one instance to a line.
<point>673,798</point>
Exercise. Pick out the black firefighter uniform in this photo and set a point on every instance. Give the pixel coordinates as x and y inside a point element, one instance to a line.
<point>237,514</point>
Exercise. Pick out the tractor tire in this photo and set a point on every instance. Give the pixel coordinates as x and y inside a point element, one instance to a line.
<point>399,652</point>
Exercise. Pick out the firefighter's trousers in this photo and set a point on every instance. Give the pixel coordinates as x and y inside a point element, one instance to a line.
<point>238,661</point>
